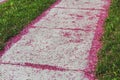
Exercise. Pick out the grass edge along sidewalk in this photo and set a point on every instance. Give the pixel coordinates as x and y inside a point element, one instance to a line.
<point>16,14</point>
<point>108,67</point>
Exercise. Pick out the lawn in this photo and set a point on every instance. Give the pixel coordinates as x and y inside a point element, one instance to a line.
<point>108,67</point>
<point>16,14</point>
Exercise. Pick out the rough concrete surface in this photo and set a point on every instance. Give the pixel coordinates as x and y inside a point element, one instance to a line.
<point>60,44</point>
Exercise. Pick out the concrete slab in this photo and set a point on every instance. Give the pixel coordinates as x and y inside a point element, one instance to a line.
<point>70,18</point>
<point>56,47</point>
<point>2,1</point>
<point>83,4</point>
<point>13,72</point>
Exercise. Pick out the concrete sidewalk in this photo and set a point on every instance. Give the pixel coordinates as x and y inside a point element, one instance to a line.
<point>61,44</point>
<point>2,1</point>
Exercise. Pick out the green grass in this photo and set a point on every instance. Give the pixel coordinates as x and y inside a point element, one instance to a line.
<point>108,67</point>
<point>15,14</point>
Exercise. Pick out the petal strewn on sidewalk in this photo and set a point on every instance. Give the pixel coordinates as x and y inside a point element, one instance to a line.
<point>9,72</point>
<point>58,44</point>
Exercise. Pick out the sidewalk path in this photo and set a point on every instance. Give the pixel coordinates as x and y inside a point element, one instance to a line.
<point>61,44</point>
<point>1,1</point>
